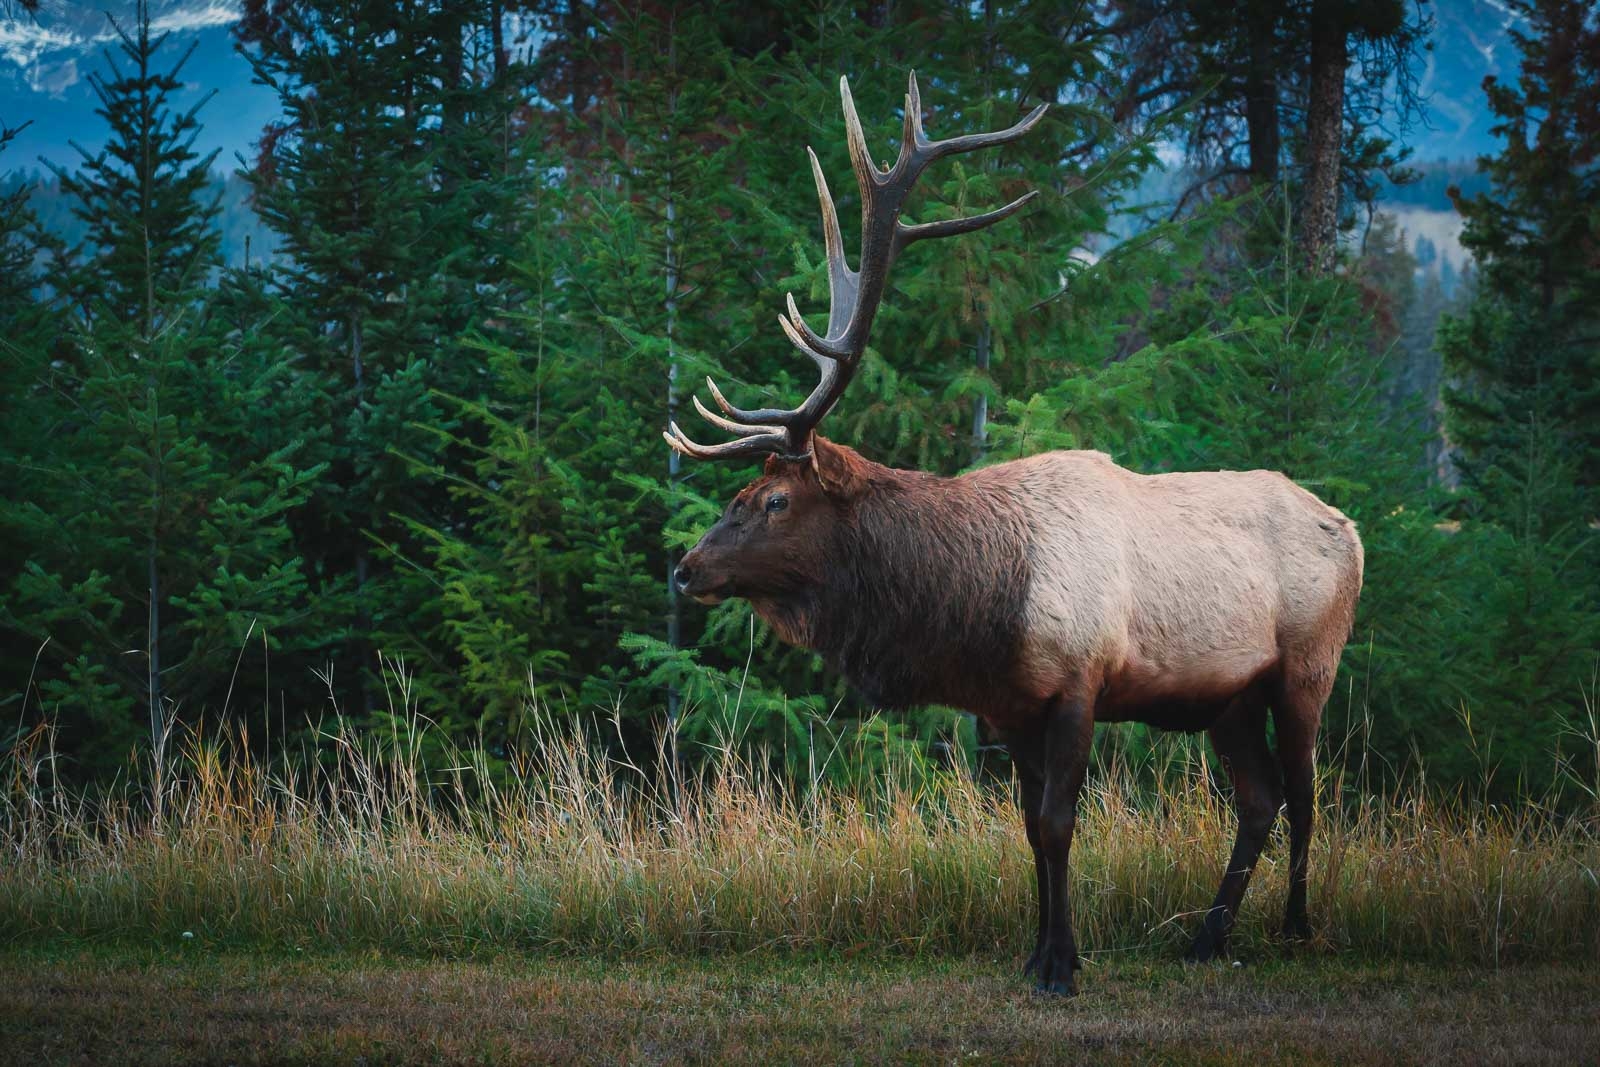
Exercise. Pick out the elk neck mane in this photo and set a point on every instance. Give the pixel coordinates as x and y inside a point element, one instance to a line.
<point>921,599</point>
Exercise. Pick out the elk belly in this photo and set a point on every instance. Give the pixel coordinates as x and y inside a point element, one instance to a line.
<point>1184,693</point>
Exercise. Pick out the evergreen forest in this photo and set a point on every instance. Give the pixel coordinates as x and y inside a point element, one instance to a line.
<point>405,462</point>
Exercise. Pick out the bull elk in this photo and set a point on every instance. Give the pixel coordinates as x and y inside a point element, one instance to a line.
<point>1045,594</point>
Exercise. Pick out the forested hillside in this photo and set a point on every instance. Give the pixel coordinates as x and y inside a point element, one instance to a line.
<point>243,239</point>
<point>411,462</point>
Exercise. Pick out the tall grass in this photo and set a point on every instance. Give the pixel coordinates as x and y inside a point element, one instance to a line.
<point>361,844</point>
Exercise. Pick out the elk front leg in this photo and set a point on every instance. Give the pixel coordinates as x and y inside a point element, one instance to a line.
<point>1026,754</point>
<point>1032,800</point>
<point>1068,733</point>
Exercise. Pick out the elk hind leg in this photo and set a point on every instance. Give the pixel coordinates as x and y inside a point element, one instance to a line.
<point>1239,739</point>
<point>1296,714</point>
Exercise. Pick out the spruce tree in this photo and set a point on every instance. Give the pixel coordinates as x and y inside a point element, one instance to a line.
<point>154,529</point>
<point>1525,355</point>
<point>393,185</point>
<point>1523,403</point>
<point>27,400</point>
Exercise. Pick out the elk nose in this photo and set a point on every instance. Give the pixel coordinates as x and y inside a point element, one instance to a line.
<point>682,576</point>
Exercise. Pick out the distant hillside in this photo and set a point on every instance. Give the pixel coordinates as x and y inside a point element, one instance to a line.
<point>1431,224</point>
<point>1422,208</point>
<point>237,222</point>
<point>1434,178</point>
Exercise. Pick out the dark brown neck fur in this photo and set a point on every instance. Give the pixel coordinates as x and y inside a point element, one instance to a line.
<point>922,598</point>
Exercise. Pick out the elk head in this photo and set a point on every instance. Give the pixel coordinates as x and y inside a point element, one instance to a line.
<point>774,537</point>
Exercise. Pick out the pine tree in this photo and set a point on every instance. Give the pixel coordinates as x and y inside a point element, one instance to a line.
<point>392,183</point>
<point>1523,406</point>
<point>24,370</point>
<point>1525,355</point>
<point>27,401</point>
<point>153,530</point>
<point>661,299</point>
<point>1273,92</point>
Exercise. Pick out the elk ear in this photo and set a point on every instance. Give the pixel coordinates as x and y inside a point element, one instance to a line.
<point>840,470</point>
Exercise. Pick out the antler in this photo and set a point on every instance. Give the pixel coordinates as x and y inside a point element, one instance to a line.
<point>853,296</point>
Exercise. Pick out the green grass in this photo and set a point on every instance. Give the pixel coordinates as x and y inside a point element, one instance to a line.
<point>196,1005</point>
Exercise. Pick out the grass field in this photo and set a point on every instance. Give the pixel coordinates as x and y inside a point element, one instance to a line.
<point>197,1006</point>
<point>362,908</point>
<point>582,854</point>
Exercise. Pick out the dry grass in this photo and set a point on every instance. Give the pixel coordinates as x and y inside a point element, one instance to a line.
<point>369,848</point>
<point>197,1007</point>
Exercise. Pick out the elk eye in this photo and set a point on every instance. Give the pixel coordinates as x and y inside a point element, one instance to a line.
<point>777,503</point>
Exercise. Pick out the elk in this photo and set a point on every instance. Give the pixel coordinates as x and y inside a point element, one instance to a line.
<point>1044,594</point>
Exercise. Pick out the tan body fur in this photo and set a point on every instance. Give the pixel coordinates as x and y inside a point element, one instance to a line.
<point>1175,587</point>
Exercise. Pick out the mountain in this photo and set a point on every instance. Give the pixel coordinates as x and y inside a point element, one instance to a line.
<point>1471,41</point>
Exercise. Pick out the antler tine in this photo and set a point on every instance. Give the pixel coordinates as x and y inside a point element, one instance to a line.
<point>841,279</point>
<point>814,344</point>
<point>798,338</point>
<point>743,428</point>
<point>911,135</point>
<point>755,445</point>
<point>915,139</point>
<point>951,227</point>
<point>867,173</point>
<point>760,418</point>
<point>738,413</point>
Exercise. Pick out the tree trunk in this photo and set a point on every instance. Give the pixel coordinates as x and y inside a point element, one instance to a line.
<point>980,412</point>
<point>363,611</point>
<point>152,395</point>
<point>980,408</point>
<point>153,635</point>
<point>674,605</point>
<point>1319,215</point>
<point>670,306</point>
<point>1261,96</point>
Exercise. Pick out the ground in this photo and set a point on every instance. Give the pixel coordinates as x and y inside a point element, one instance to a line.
<point>198,1005</point>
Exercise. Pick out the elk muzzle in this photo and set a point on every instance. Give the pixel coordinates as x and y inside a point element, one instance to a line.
<point>693,578</point>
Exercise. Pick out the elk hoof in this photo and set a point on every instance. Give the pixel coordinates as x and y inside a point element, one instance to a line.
<point>1056,988</point>
<point>1054,970</point>
<point>1212,941</point>
<point>1204,950</point>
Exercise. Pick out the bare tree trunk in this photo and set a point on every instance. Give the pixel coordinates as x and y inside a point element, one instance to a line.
<point>980,408</point>
<point>153,635</point>
<point>363,612</point>
<point>674,603</point>
<point>980,411</point>
<point>152,398</point>
<point>1261,96</point>
<point>1319,215</point>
